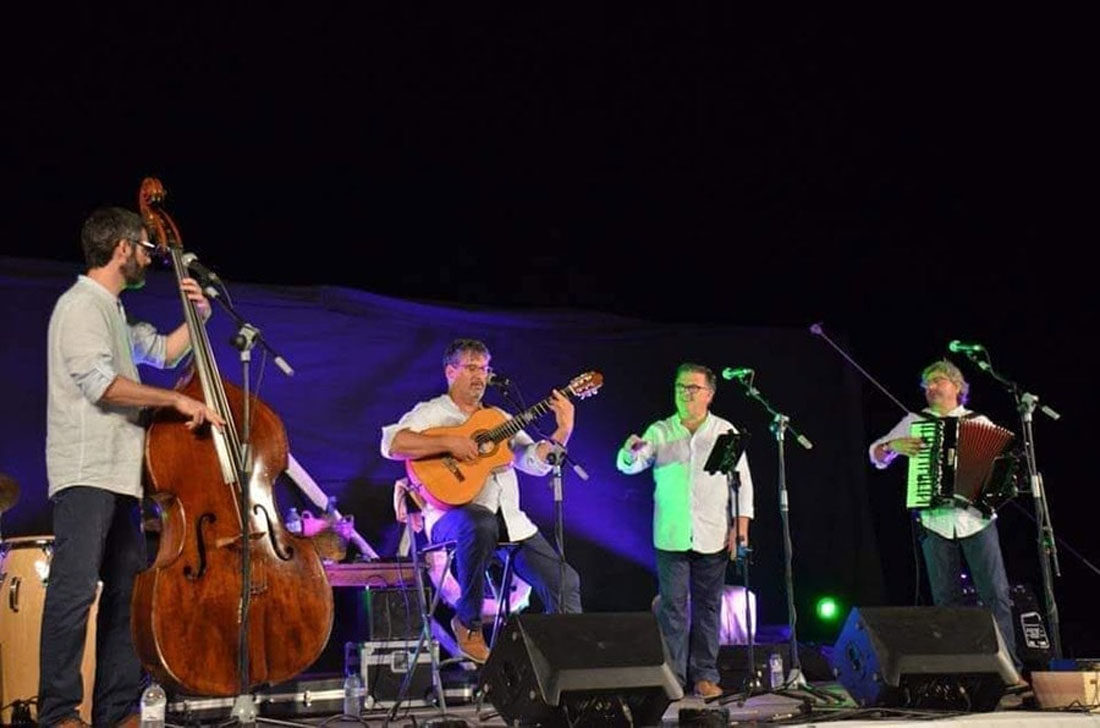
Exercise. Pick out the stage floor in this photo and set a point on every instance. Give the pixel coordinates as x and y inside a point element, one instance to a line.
<point>794,709</point>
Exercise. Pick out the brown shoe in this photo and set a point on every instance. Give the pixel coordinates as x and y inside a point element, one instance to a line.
<point>72,722</point>
<point>470,642</point>
<point>706,689</point>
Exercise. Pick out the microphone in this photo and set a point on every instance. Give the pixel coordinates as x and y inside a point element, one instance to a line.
<point>205,274</point>
<point>962,347</point>
<point>496,379</point>
<point>738,373</point>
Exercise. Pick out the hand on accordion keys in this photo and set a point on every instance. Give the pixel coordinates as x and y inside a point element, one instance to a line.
<point>908,446</point>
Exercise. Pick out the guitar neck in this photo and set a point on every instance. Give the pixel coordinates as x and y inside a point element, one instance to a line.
<point>507,430</point>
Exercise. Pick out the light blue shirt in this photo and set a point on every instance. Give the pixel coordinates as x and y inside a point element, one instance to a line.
<point>89,344</point>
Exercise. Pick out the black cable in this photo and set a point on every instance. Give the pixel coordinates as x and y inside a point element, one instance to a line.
<point>915,533</point>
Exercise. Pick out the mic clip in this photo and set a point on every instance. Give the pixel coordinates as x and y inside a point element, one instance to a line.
<point>498,380</point>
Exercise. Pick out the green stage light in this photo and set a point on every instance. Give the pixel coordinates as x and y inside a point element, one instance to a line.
<point>828,609</point>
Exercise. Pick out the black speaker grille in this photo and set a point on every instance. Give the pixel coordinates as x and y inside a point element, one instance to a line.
<point>947,658</point>
<point>580,669</point>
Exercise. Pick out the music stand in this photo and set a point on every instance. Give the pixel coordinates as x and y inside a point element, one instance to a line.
<point>723,458</point>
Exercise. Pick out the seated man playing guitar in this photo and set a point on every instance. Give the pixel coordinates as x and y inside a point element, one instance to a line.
<point>432,433</point>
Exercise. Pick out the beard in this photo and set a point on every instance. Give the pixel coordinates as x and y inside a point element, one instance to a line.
<point>133,272</point>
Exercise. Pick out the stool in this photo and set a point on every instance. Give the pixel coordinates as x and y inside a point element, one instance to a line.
<point>503,594</point>
<point>501,602</point>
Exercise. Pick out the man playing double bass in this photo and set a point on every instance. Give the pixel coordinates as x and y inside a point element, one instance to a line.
<point>475,526</point>
<point>94,450</point>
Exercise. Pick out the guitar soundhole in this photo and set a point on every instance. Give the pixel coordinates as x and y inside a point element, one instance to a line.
<point>486,448</point>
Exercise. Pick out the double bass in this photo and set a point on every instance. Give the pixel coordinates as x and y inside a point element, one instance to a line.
<point>188,605</point>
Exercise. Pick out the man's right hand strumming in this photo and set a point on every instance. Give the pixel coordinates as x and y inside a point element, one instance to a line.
<point>463,448</point>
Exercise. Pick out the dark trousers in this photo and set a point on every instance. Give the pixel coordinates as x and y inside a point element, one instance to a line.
<point>942,558</point>
<point>96,537</point>
<point>476,534</point>
<point>685,577</point>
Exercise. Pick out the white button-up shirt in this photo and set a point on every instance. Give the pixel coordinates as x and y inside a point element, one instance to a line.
<point>501,489</point>
<point>947,521</point>
<point>692,508</point>
<point>89,343</point>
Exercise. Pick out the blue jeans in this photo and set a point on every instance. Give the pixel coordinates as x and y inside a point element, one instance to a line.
<point>476,534</point>
<point>96,537</point>
<point>683,577</point>
<point>983,555</point>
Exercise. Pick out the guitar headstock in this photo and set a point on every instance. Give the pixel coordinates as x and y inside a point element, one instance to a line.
<point>585,385</point>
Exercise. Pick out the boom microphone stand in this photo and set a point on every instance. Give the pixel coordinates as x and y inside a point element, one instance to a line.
<point>244,706</point>
<point>557,457</point>
<point>780,424</point>
<point>1026,403</point>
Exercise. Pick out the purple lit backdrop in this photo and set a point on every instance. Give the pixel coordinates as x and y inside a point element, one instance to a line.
<point>362,360</point>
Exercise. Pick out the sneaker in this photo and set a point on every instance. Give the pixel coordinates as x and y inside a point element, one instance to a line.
<point>470,642</point>
<point>706,689</point>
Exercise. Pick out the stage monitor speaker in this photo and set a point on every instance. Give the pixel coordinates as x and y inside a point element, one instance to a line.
<point>943,658</point>
<point>580,669</point>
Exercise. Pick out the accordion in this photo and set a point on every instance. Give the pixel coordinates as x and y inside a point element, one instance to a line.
<point>963,462</point>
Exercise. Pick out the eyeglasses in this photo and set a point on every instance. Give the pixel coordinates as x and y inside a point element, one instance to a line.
<point>691,389</point>
<point>474,368</point>
<point>149,247</point>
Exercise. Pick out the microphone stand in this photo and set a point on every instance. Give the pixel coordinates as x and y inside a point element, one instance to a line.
<point>247,336</point>
<point>556,457</point>
<point>780,424</point>
<point>1026,403</point>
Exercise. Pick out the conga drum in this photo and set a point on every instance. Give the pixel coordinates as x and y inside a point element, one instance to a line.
<point>24,576</point>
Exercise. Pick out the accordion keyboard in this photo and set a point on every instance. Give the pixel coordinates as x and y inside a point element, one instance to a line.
<point>925,481</point>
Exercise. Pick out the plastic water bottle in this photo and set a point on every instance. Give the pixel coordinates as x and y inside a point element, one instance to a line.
<point>293,521</point>
<point>353,694</point>
<point>153,704</point>
<point>775,671</point>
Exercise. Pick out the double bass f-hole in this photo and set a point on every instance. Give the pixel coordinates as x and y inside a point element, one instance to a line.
<point>200,544</point>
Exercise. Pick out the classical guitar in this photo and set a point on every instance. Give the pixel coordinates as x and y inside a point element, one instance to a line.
<point>446,482</point>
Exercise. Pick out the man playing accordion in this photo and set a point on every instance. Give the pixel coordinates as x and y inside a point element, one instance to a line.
<point>950,530</point>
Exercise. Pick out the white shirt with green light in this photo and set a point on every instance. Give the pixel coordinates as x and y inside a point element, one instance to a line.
<point>692,508</point>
